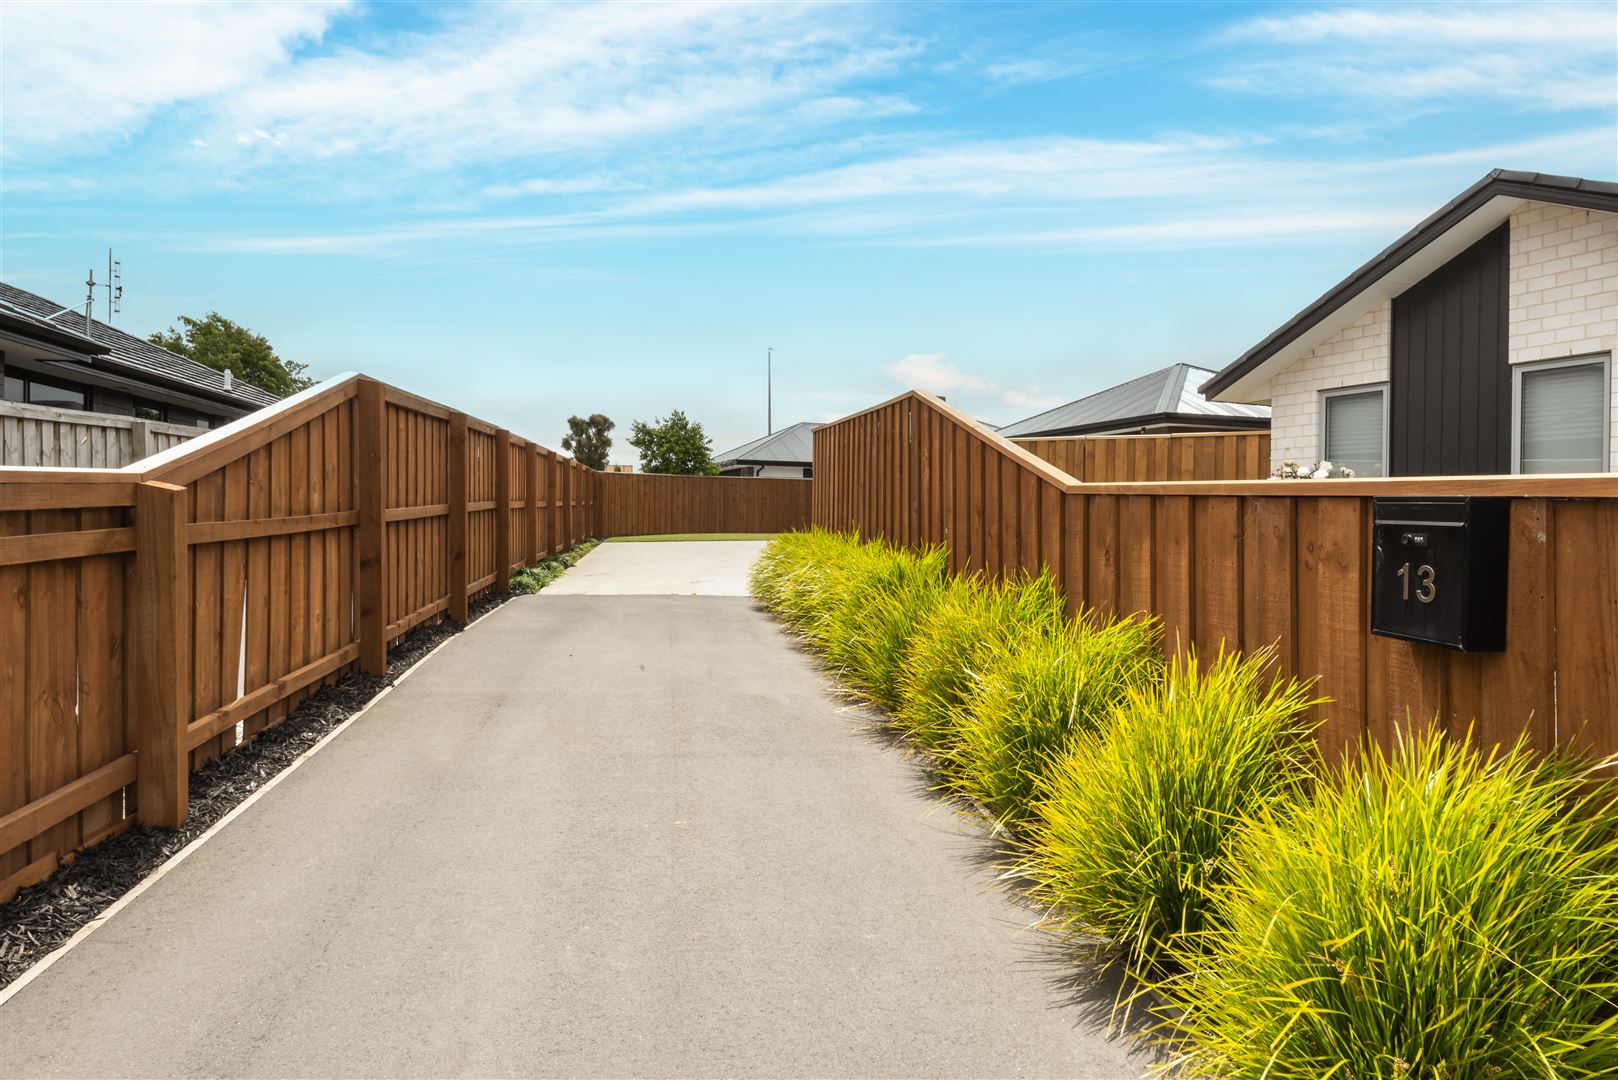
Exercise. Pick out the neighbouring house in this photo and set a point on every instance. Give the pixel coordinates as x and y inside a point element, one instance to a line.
<point>1480,342</point>
<point>788,452</point>
<point>47,358</point>
<point>1162,402</point>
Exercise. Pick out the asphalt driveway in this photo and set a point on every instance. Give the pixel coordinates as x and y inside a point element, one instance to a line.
<point>595,835</point>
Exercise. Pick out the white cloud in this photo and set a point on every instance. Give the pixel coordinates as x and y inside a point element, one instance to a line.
<point>935,373</point>
<point>79,75</point>
<point>1033,398</point>
<point>1546,55</point>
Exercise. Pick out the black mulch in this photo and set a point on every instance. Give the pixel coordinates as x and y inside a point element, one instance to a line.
<point>41,918</point>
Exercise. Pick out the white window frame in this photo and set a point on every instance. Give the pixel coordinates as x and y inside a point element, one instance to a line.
<point>1585,360</point>
<point>1345,391</point>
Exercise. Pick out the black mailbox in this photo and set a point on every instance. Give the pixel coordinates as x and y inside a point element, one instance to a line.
<point>1438,571</point>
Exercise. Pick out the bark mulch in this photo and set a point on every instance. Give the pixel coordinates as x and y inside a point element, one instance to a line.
<point>41,918</point>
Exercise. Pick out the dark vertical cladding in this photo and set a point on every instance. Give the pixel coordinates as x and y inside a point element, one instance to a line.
<point>1450,413</point>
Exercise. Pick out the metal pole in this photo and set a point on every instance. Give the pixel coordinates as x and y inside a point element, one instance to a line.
<point>769,391</point>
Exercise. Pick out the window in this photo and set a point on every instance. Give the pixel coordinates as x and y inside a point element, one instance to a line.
<point>15,389</point>
<point>1561,416</point>
<point>1354,429</point>
<point>59,397</point>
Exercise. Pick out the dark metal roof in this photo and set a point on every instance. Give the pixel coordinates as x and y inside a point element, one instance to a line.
<point>1165,396</point>
<point>131,355</point>
<point>793,445</point>
<point>34,328</point>
<point>1541,187</point>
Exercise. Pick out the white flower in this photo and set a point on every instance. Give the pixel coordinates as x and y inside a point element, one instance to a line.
<point>1320,474</point>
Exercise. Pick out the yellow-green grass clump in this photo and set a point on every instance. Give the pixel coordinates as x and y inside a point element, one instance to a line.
<point>971,624</point>
<point>1434,911</point>
<point>1137,821</point>
<point>1036,696</point>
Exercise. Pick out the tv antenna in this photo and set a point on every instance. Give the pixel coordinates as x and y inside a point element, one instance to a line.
<point>114,286</point>
<point>115,294</point>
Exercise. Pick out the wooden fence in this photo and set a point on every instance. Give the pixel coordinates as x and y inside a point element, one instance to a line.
<point>1113,459</point>
<point>639,503</point>
<point>155,616</point>
<point>38,435</point>
<point>1258,563</point>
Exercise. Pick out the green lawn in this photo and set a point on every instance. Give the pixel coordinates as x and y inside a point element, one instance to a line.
<point>689,536</point>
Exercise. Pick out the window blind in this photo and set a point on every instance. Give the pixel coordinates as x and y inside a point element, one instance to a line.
<point>1563,419</point>
<point>1354,432</point>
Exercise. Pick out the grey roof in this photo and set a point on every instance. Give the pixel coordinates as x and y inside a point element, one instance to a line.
<point>131,355</point>
<point>1168,395</point>
<point>1542,187</point>
<point>793,445</point>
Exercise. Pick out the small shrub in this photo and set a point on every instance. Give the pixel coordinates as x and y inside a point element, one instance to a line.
<point>880,602</point>
<point>531,579</point>
<point>1431,912</point>
<point>1137,820</point>
<point>971,623</point>
<point>1035,696</point>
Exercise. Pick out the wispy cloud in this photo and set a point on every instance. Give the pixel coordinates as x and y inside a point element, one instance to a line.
<point>78,76</point>
<point>1553,56</point>
<point>937,374</point>
<point>1180,192</point>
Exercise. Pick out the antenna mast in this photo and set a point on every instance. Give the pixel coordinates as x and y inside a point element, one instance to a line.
<point>115,286</point>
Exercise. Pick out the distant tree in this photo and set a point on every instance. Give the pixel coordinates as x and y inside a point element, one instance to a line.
<point>588,439</point>
<point>229,346</point>
<point>675,445</point>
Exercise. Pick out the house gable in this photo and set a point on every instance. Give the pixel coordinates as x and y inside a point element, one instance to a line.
<point>1541,285</point>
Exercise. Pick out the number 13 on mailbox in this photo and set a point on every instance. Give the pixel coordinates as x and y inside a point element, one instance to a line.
<point>1438,572</point>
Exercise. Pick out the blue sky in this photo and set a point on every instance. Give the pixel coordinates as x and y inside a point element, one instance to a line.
<point>529,211</point>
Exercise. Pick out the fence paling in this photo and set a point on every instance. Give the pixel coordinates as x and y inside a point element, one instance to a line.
<point>155,616</point>
<point>1262,563</point>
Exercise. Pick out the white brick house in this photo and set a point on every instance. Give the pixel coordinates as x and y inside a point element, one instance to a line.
<point>1479,342</point>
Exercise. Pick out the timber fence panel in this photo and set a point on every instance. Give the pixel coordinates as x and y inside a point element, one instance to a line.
<point>45,437</point>
<point>640,504</point>
<point>1113,459</point>
<point>1246,563</point>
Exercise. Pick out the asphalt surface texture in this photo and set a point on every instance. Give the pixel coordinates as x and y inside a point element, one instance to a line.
<point>594,835</point>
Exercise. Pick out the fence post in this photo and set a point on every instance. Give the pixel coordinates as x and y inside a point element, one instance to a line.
<point>502,510</point>
<point>140,440</point>
<point>162,653</point>
<point>370,455</point>
<point>455,550</point>
<point>535,550</point>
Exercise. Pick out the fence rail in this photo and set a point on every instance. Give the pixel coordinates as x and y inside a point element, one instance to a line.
<point>41,436</point>
<point>1249,564</point>
<point>156,616</point>
<point>1112,459</point>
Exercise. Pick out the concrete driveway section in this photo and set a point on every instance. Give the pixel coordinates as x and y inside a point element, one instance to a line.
<point>671,568</point>
<point>595,836</point>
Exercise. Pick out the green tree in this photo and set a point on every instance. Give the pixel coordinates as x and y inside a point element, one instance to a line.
<point>675,445</point>
<point>229,346</point>
<point>588,439</point>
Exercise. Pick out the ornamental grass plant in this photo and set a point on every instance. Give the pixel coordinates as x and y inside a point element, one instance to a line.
<point>799,575</point>
<point>864,633</point>
<point>1137,821</point>
<point>1035,697</point>
<point>972,625</point>
<point>1433,911</point>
